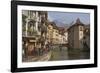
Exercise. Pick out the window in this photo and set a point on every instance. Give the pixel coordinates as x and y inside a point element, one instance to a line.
<point>81,28</point>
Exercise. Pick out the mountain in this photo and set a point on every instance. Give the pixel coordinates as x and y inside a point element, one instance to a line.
<point>60,24</point>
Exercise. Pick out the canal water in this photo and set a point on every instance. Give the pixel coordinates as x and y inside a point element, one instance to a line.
<point>63,53</point>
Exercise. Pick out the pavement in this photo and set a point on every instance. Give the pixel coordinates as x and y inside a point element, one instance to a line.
<point>44,57</point>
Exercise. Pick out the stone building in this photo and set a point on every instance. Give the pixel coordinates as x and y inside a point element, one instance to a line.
<point>50,30</point>
<point>56,35</point>
<point>75,35</point>
<point>33,30</point>
<point>63,35</point>
<point>86,38</point>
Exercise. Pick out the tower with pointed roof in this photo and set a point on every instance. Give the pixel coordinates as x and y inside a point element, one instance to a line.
<point>75,35</point>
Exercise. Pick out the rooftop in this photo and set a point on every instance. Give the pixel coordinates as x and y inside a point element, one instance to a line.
<point>77,23</point>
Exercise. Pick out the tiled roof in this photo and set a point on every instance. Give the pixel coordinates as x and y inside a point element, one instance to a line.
<point>77,23</point>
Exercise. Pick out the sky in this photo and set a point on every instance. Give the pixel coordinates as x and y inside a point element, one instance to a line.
<point>68,17</point>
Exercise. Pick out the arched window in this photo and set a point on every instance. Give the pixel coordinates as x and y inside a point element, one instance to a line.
<point>31,25</point>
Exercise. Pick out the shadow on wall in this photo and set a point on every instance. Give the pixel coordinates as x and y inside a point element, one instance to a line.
<point>85,41</point>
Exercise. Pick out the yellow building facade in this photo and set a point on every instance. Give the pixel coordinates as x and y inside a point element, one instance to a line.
<point>50,32</point>
<point>55,36</point>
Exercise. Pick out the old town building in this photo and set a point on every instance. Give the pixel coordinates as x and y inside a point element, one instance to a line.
<point>86,38</point>
<point>75,35</point>
<point>63,35</point>
<point>33,29</point>
<point>50,32</point>
<point>55,34</point>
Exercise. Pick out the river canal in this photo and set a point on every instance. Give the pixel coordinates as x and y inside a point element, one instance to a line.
<point>64,53</point>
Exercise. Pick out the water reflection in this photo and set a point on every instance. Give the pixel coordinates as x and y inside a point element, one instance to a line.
<point>65,54</point>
